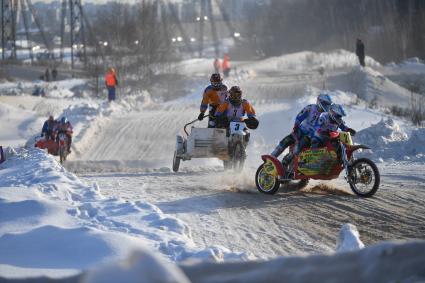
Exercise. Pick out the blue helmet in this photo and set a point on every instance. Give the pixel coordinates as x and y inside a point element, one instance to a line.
<point>324,101</point>
<point>336,112</point>
<point>64,120</point>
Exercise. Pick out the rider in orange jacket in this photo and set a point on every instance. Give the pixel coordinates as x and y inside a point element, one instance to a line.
<point>214,95</point>
<point>235,109</point>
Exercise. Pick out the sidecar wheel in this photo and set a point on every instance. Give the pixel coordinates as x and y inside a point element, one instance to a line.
<point>266,183</point>
<point>176,162</point>
<point>363,177</point>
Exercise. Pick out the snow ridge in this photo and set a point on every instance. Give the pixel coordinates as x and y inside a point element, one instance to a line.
<point>60,210</point>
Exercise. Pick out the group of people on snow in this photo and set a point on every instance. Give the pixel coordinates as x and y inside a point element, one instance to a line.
<point>222,66</point>
<point>52,128</point>
<point>312,126</point>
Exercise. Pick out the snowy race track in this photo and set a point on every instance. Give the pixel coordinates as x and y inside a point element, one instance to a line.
<point>125,150</point>
<point>238,217</point>
<point>226,209</point>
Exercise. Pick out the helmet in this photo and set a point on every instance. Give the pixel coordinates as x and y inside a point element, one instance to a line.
<point>324,101</point>
<point>336,112</point>
<point>64,120</point>
<point>235,95</point>
<point>215,80</point>
<point>51,118</point>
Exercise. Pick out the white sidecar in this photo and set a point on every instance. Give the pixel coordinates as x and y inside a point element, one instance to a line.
<point>227,145</point>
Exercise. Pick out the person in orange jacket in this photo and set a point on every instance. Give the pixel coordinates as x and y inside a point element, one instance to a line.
<point>111,82</point>
<point>217,65</point>
<point>226,65</point>
<point>234,109</point>
<point>214,94</point>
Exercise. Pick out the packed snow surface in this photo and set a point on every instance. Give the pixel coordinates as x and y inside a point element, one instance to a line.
<point>52,223</point>
<point>128,198</point>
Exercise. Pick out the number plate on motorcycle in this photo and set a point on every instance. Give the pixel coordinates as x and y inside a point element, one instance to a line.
<point>236,128</point>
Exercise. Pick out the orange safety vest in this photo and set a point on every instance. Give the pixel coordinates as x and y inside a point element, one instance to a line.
<point>110,79</point>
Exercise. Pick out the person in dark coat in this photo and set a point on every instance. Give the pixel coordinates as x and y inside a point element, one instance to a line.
<point>360,52</point>
<point>48,126</point>
<point>47,75</point>
<point>54,74</point>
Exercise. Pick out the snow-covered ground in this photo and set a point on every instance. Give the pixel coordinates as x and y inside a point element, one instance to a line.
<point>125,196</point>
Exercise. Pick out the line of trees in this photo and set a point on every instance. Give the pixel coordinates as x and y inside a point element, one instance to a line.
<point>132,39</point>
<point>391,29</point>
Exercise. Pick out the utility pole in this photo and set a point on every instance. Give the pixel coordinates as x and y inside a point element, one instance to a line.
<point>78,42</point>
<point>8,35</point>
<point>202,18</point>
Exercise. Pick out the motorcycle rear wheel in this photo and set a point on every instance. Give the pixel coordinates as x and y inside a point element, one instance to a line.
<point>266,183</point>
<point>363,177</point>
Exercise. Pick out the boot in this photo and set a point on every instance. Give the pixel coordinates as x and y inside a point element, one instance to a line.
<point>278,151</point>
<point>287,159</point>
<point>285,162</point>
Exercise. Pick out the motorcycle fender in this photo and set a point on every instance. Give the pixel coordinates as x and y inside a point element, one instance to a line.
<point>273,165</point>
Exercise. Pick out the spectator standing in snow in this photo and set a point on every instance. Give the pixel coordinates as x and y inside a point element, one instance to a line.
<point>226,65</point>
<point>111,83</point>
<point>216,66</point>
<point>47,75</point>
<point>54,74</point>
<point>360,52</point>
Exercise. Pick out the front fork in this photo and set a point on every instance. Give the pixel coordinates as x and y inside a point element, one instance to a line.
<point>345,161</point>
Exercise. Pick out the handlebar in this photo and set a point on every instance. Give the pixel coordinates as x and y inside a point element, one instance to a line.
<point>190,123</point>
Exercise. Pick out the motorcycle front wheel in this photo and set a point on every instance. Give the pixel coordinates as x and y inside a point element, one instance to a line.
<point>266,183</point>
<point>363,177</point>
<point>62,156</point>
<point>239,156</point>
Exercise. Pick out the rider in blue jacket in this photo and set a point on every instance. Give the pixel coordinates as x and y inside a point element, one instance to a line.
<point>304,125</point>
<point>329,122</point>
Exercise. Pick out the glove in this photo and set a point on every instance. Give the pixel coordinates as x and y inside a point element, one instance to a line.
<point>352,131</point>
<point>201,116</point>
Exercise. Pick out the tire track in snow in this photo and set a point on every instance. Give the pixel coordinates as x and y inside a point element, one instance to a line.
<point>283,224</point>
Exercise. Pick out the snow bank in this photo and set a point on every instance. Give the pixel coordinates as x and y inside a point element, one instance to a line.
<point>307,60</point>
<point>390,141</point>
<point>353,263</point>
<point>372,86</point>
<point>51,223</point>
<point>16,123</point>
<point>349,239</point>
<point>58,89</point>
<point>379,263</point>
<point>142,266</point>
